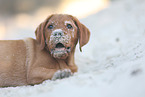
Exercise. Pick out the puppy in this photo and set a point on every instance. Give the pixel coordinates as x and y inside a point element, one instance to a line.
<point>50,56</point>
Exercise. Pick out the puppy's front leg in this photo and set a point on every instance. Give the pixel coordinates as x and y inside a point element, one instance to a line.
<point>64,71</point>
<point>39,74</point>
<point>62,74</point>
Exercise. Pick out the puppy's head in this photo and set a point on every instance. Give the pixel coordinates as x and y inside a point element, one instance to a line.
<point>59,34</point>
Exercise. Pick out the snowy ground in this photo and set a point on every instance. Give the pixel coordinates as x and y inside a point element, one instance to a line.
<point>111,65</point>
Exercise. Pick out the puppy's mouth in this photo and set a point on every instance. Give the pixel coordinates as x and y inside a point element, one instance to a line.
<point>60,51</point>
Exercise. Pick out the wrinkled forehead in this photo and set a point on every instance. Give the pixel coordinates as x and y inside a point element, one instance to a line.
<point>60,19</point>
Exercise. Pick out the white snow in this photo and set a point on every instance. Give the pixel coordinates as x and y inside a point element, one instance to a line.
<point>112,63</point>
<point>67,22</point>
<point>57,30</point>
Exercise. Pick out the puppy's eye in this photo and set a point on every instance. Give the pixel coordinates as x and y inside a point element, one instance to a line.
<point>50,27</point>
<point>69,26</point>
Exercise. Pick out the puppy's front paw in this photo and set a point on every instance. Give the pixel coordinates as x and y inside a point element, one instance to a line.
<point>62,74</point>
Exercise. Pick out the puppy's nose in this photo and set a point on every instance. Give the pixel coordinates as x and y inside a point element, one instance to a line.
<point>58,33</point>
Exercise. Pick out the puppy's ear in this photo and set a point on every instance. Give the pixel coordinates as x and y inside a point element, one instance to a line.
<point>83,32</point>
<point>40,34</point>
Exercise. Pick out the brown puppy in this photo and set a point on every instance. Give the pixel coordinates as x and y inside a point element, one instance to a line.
<point>50,56</point>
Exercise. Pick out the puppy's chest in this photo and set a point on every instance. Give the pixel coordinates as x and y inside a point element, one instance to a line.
<point>46,60</point>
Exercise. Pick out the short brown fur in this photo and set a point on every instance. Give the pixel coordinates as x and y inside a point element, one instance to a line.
<point>29,62</point>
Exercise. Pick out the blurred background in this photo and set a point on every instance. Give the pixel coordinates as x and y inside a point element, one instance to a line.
<point>19,18</point>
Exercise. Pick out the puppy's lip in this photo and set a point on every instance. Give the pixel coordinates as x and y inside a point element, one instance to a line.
<point>67,49</point>
<point>60,51</point>
<point>59,45</point>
